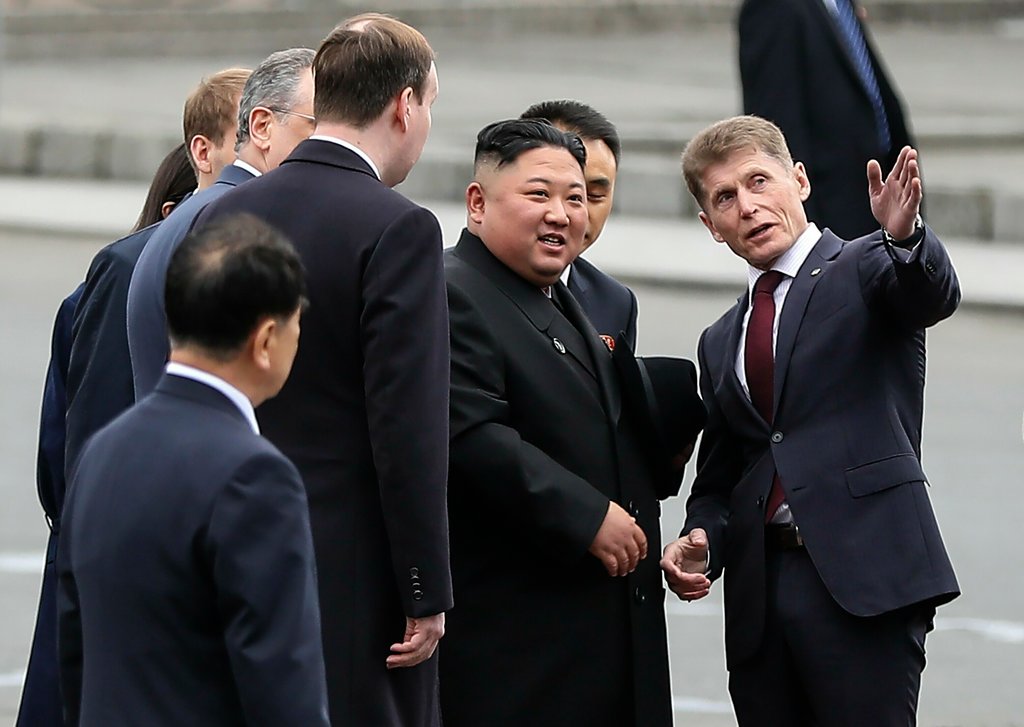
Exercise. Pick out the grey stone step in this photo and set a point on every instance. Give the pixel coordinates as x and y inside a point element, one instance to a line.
<point>961,201</point>
<point>115,29</point>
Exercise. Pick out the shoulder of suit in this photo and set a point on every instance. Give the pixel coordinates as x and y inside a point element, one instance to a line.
<point>596,276</point>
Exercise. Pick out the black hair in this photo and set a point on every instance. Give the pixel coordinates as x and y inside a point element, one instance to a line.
<point>503,142</point>
<point>580,118</point>
<point>225,279</point>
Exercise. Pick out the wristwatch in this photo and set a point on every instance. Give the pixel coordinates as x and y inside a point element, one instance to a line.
<point>915,237</point>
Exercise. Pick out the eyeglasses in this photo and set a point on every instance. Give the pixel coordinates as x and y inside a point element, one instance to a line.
<point>293,113</point>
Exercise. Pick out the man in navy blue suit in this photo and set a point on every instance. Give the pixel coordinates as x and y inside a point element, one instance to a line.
<point>809,491</point>
<point>275,113</point>
<point>93,326</point>
<point>186,580</point>
<point>99,384</point>
<point>610,305</point>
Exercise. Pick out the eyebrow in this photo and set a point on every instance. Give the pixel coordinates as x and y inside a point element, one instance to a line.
<point>601,182</point>
<point>545,180</point>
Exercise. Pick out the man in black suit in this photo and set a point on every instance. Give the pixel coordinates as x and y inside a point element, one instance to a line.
<point>274,115</point>
<point>809,487</point>
<point>365,415</point>
<point>186,579</point>
<point>553,505</point>
<point>610,305</point>
<point>810,66</point>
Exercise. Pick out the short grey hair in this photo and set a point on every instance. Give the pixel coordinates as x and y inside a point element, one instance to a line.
<point>274,85</point>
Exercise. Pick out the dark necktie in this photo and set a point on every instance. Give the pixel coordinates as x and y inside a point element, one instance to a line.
<point>759,361</point>
<point>853,36</point>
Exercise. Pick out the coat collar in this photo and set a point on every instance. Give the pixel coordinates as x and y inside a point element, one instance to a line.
<point>542,314</point>
<point>199,393</point>
<point>232,176</point>
<point>318,151</point>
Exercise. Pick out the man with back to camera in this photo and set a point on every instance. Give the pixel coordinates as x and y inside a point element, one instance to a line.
<point>809,490</point>
<point>107,280</point>
<point>99,383</point>
<point>186,579</point>
<point>274,115</point>
<point>553,499</point>
<point>609,304</point>
<point>365,414</point>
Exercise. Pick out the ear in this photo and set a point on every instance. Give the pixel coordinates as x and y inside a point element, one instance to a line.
<point>261,121</point>
<point>199,147</point>
<point>800,174</point>
<point>711,226</point>
<point>166,208</point>
<point>403,108</point>
<point>262,344</point>
<point>475,202</point>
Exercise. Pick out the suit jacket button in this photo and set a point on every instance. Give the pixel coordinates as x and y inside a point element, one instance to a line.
<point>414,572</point>
<point>760,501</point>
<point>777,437</point>
<point>639,596</point>
<point>417,595</point>
<point>633,509</point>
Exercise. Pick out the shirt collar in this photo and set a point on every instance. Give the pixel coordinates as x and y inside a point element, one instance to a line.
<point>350,147</point>
<point>248,167</point>
<point>215,382</point>
<point>790,262</point>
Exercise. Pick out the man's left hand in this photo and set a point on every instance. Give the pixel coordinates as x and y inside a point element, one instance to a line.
<point>419,642</point>
<point>896,202</point>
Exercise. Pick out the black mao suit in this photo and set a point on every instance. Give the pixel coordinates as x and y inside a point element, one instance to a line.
<point>797,71</point>
<point>540,633</point>
<point>845,441</point>
<point>186,579</point>
<point>610,306</point>
<point>364,416</point>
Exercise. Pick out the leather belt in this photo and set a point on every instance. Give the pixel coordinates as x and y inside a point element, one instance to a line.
<point>783,537</point>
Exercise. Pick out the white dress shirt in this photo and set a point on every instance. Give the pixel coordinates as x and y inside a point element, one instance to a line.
<point>215,382</point>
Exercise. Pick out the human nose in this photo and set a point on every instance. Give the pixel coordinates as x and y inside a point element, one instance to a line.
<point>556,213</point>
<point>747,202</point>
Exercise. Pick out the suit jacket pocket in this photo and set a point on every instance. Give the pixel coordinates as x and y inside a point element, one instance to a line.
<point>883,474</point>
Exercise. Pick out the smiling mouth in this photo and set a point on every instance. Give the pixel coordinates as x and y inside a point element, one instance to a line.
<point>553,241</point>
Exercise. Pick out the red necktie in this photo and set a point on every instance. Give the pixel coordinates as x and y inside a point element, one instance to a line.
<point>759,362</point>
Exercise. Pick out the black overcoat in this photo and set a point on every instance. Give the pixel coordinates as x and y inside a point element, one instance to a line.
<point>541,634</point>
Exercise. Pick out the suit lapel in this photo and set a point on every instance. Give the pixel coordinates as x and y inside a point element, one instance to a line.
<point>598,351</point>
<point>733,328</point>
<point>795,307</point>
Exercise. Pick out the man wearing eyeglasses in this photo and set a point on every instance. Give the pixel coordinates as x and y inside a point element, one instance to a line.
<point>274,115</point>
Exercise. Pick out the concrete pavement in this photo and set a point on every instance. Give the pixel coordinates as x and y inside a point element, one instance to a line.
<point>648,250</point>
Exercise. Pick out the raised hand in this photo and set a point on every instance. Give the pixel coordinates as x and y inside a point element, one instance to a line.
<point>896,202</point>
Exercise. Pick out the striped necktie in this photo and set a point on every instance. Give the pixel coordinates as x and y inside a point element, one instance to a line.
<point>853,36</point>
